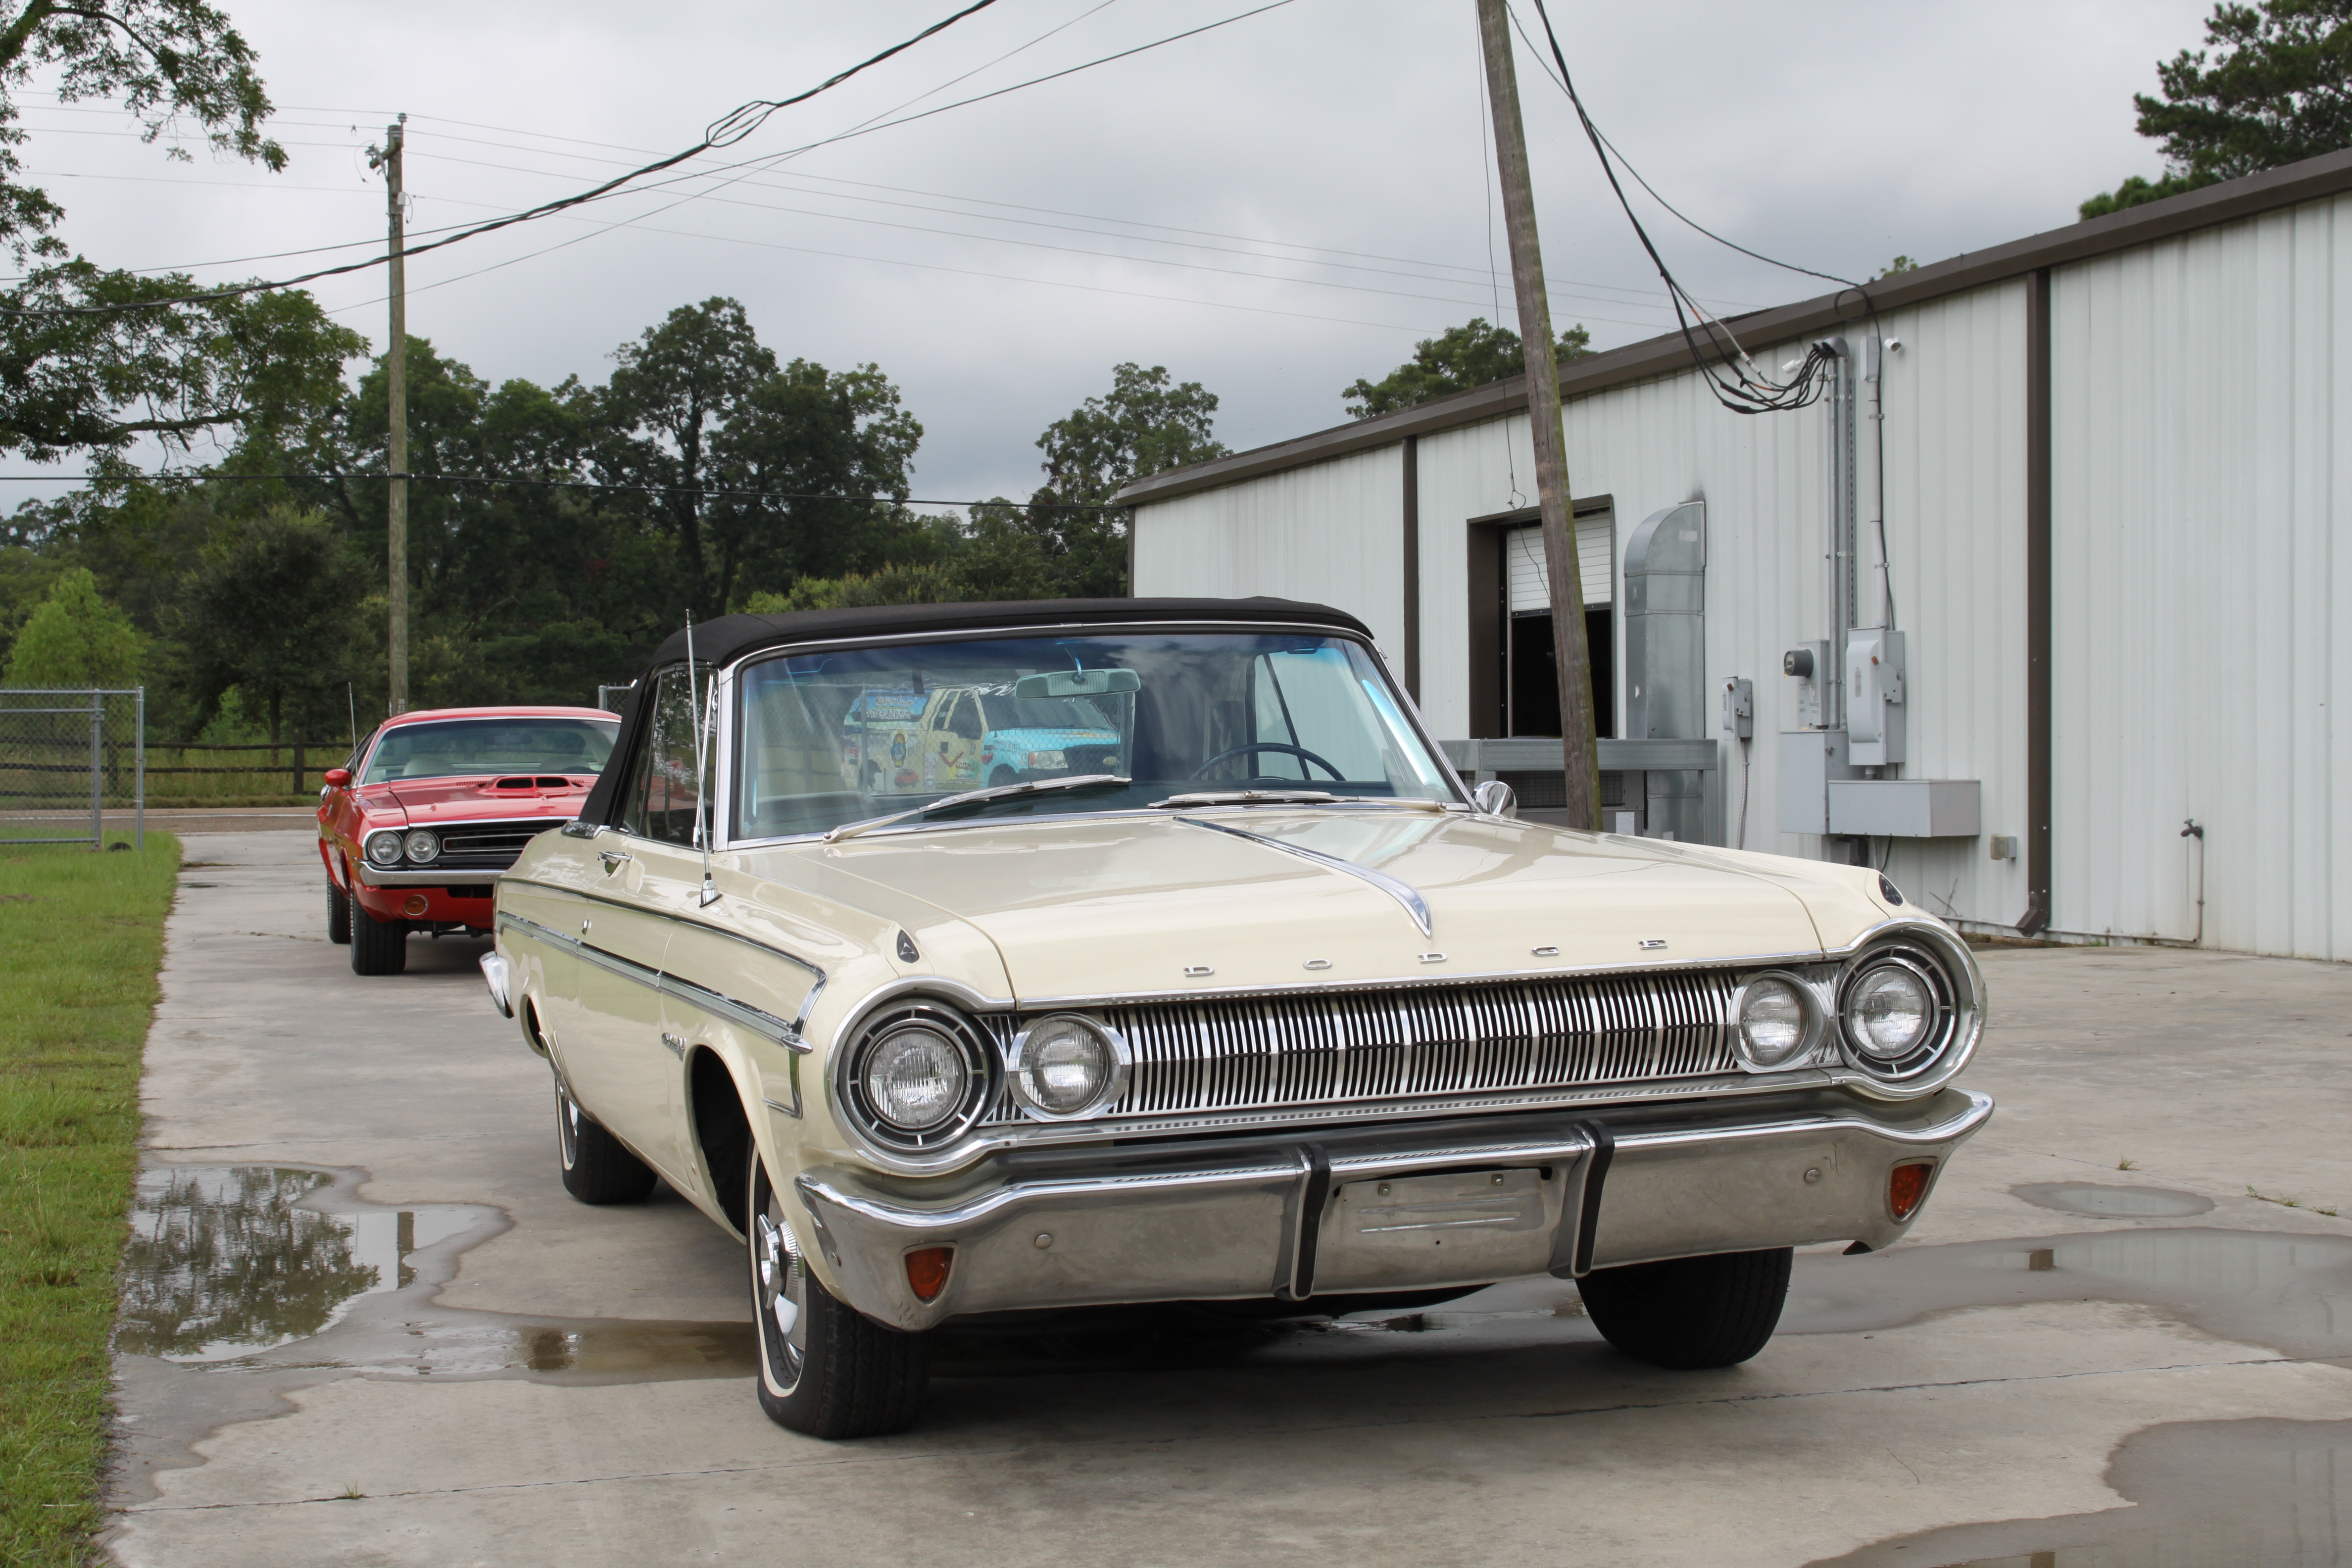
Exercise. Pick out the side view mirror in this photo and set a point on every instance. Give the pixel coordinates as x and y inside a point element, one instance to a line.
<point>1077,683</point>
<point>1494,799</point>
<point>339,778</point>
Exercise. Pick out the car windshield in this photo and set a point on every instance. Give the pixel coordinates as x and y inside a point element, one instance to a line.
<point>829,738</point>
<point>465,748</point>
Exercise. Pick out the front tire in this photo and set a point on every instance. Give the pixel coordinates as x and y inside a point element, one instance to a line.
<point>825,1369</point>
<point>1690,1313</point>
<point>378,947</point>
<point>597,1167</point>
<point>339,915</point>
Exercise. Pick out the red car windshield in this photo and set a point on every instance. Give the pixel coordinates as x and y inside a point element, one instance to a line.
<point>464,748</point>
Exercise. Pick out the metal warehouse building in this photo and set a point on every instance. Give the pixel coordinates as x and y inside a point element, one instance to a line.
<point>2116,504</point>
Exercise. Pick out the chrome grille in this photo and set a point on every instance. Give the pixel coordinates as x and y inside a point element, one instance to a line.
<point>1338,1048</point>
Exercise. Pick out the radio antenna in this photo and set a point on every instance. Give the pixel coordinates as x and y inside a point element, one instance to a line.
<point>702,710</point>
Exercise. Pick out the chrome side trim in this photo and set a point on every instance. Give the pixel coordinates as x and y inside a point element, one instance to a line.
<point>785,1033</point>
<point>1405,893</point>
<point>750,941</point>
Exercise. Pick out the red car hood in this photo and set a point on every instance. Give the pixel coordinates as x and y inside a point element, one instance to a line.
<point>471,800</point>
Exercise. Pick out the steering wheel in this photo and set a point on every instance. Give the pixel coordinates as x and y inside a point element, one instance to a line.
<point>1299,751</point>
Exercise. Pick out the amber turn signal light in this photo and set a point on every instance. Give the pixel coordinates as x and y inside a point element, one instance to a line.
<point>415,904</point>
<point>1906,1185</point>
<point>926,1271</point>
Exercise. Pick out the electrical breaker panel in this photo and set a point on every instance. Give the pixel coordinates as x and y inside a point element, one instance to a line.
<point>1875,724</point>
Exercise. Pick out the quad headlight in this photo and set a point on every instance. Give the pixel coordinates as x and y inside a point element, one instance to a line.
<point>917,1077</point>
<point>421,845</point>
<point>1066,1067</point>
<point>1898,1011</point>
<point>384,849</point>
<point>1776,1024</point>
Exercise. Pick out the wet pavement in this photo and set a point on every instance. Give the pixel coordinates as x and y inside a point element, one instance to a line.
<point>362,1323</point>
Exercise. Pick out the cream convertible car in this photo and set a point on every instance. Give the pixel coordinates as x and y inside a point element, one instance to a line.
<point>1278,1017</point>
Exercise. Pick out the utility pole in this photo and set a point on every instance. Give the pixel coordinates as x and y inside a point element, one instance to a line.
<point>395,388</point>
<point>1579,749</point>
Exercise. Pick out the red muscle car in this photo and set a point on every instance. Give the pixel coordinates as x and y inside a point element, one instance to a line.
<point>432,809</point>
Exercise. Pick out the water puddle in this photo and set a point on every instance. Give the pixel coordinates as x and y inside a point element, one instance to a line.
<point>266,1268</point>
<point>2099,1202</point>
<point>2290,1291</point>
<point>2211,1494</point>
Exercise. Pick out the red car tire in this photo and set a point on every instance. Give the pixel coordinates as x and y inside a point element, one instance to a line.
<point>378,947</point>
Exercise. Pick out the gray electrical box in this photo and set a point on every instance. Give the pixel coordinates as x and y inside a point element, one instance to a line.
<point>1740,708</point>
<point>1810,760</point>
<point>1807,664</point>
<point>1874,727</point>
<point>1906,808</point>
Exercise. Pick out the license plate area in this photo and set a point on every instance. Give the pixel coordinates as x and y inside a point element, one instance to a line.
<point>1453,1227</point>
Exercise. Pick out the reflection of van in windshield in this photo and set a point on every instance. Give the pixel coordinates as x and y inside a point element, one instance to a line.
<point>962,737</point>
<point>1048,737</point>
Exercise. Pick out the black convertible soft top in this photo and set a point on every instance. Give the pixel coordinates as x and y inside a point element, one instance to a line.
<point>729,637</point>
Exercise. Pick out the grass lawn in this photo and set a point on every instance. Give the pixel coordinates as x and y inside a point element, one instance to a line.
<point>81,938</point>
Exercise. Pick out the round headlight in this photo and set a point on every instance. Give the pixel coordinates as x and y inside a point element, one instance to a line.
<point>1774,1022</point>
<point>421,845</point>
<point>1888,1012</point>
<point>1067,1066</point>
<point>383,848</point>
<point>914,1079</point>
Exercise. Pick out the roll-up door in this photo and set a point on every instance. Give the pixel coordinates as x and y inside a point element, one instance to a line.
<point>1523,558</point>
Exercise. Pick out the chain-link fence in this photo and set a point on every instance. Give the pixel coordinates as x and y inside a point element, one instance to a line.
<point>610,698</point>
<point>66,757</point>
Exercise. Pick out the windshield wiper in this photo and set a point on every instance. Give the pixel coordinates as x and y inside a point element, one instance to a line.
<point>1291,797</point>
<point>973,797</point>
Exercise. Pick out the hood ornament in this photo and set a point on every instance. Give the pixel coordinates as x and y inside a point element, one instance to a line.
<point>1405,893</point>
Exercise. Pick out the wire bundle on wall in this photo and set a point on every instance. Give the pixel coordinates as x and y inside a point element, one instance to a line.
<point>1737,381</point>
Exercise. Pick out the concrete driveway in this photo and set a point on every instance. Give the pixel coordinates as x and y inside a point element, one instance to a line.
<point>364,1324</point>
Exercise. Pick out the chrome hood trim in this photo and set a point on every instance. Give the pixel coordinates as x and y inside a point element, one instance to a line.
<point>1403,892</point>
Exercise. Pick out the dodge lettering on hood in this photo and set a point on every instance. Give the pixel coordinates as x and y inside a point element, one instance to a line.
<point>1254,1006</point>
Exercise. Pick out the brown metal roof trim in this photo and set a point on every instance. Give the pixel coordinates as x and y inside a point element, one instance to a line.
<point>2225,203</point>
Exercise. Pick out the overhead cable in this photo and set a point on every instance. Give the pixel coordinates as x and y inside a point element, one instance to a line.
<point>208,476</point>
<point>724,131</point>
<point>1737,381</point>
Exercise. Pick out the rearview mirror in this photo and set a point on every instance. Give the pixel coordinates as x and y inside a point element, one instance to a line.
<point>1077,683</point>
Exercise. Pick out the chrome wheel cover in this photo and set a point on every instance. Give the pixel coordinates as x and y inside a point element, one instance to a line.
<point>780,1290</point>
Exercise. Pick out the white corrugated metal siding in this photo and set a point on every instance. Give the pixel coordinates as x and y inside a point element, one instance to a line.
<point>2201,563</point>
<point>1332,534</point>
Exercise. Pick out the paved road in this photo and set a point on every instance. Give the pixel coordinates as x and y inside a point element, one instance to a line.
<point>365,1325</point>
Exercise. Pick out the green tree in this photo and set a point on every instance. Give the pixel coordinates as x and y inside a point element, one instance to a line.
<point>272,611</point>
<point>673,389</point>
<point>808,432</point>
<point>2273,86</point>
<point>1472,355</point>
<point>101,381</point>
<point>1144,426</point>
<point>75,638</point>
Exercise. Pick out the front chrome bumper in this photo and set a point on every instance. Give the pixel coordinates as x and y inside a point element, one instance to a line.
<point>429,877</point>
<point>1397,1207</point>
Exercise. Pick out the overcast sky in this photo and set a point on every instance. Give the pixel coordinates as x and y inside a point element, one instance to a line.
<point>1273,209</point>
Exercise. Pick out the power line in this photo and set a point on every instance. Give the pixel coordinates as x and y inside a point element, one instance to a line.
<point>208,476</point>
<point>1734,379</point>
<point>728,129</point>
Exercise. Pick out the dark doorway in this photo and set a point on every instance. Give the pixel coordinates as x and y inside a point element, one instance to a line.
<point>1532,661</point>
